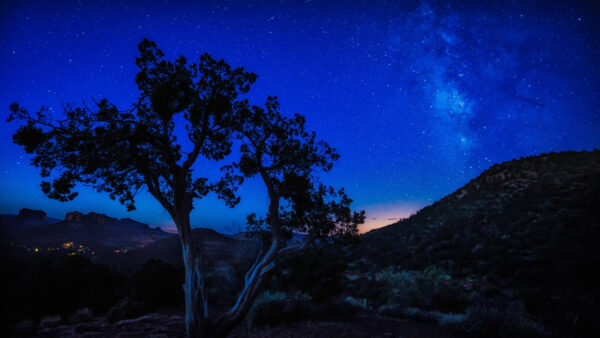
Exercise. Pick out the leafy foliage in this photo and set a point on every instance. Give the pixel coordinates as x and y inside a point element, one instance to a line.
<point>317,272</point>
<point>286,157</point>
<point>124,151</point>
<point>120,152</point>
<point>272,308</point>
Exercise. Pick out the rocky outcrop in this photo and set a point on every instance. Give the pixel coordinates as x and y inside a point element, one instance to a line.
<point>32,227</point>
<point>90,218</point>
<point>73,216</point>
<point>32,214</point>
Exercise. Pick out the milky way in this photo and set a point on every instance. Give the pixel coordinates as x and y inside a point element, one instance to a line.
<point>418,97</point>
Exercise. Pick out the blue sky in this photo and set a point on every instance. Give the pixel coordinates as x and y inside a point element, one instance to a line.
<point>419,97</point>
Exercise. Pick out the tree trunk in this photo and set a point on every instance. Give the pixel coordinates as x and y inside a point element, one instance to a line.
<point>255,276</point>
<point>196,309</point>
<point>253,281</point>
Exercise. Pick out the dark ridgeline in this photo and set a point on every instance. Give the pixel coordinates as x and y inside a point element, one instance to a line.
<point>525,228</point>
<point>32,227</point>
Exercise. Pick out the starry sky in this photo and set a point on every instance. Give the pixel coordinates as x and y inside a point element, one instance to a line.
<point>418,97</point>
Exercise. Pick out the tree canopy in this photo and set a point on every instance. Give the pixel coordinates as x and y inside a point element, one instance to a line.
<point>123,152</point>
<point>120,151</point>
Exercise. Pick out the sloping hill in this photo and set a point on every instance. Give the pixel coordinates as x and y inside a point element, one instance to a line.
<point>530,213</point>
<point>529,225</point>
<point>215,248</point>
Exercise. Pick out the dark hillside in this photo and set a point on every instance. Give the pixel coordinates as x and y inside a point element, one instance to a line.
<point>215,247</point>
<point>528,226</point>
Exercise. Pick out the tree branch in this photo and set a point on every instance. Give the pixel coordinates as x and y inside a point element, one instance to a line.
<point>156,193</point>
<point>293,249</point>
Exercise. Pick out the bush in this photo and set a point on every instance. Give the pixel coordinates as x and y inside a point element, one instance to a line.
<point>431,289</point>
<point>273,308</point>
<point>374,292</point>
<point>493,318</point>
<point>223,282</point>
<point>125,309</point>
<point>318,272</point>
<point>278,307</point>
<point>49,321</point>
<point>356,303</point>
<point>421,315</point>
<point>446,319</point>
<point>81,316</point>
<point>451,319</point>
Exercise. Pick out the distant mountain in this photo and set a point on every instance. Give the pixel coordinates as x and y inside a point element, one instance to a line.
<point>216,248</point>
<point>122,243</point>
<point>28,217</point>
<point>33,227</point>
<point>531,226</point>
<point>513,215</point>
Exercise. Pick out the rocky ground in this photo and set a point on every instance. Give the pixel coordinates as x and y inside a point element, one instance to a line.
<point>168,325</point>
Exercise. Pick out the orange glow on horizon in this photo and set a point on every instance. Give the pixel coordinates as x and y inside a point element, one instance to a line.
<point>384,215</point>
<point>376,216</point>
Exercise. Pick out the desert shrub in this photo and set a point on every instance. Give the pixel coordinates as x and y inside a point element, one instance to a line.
<point>359,304</point>
<point>421,315</point>
<point>446,319</point>
<point>404,288</point>
<point>496,318</point>
<point>224,281</point>
<point>374,292</point>
<point>81,316</point>
<point>158,283</point>
<point>451,319</point>
<point>49,321</point>
<point>272,308</point>
<point>431,289</point>
<point>278,307</point>
<point>125,309</point>
<point>318,272</point>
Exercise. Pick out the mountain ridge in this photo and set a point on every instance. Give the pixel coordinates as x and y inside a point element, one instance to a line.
<point>34,227</point>
<point>528,228</point>
<point>533,178</point>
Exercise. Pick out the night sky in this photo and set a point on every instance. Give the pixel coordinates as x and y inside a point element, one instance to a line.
<point>419,97</point>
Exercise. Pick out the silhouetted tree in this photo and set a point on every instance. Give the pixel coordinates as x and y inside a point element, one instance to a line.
<point>122,152</point>
<point>287,158</point>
